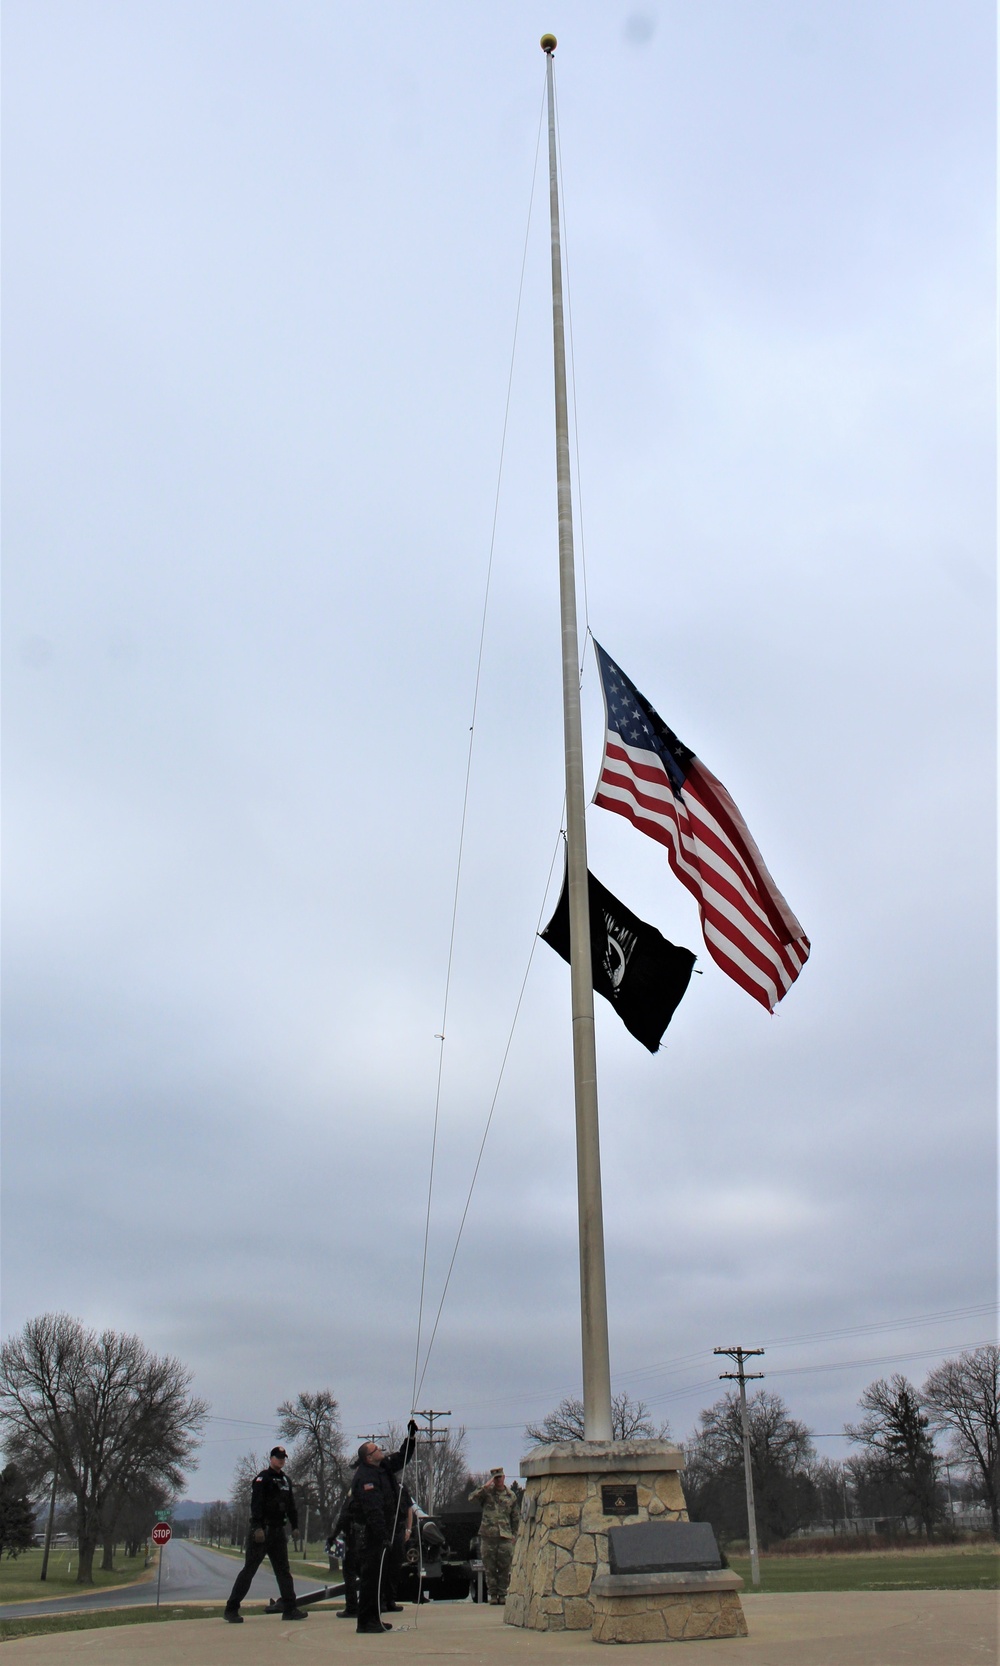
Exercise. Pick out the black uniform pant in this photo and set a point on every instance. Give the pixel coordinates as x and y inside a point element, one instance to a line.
<point>370,1560</point>
<point>350,1571</point>
<point>392,1570</point>
<point>275,1549</point>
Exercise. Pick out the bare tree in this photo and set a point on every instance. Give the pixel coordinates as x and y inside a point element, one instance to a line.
<point>239,1491</point>
<point>781,1458</point>
<point>827,1477</point>
<point>630,1420</point>
<point>877,1491</point>
<point>217,1522</point>
<point>317,1464</point>
<point>137,1514</point>
<point>894,1432</point>
<point>962,1397</point>
<point>128,1514</point>
<point>102,1409</point>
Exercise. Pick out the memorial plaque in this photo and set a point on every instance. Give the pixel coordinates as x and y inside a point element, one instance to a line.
<point>619,1501</point>
<point>663,1547</point>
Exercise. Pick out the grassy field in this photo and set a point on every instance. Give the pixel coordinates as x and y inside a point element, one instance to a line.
<point>19,1581</point>
<point>975,1568</point>
<point>313,1567</point>
<point>10,1629</point>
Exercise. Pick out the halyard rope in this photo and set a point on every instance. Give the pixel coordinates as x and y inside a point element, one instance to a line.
<point>489,1118</point>
<point>468,776</point>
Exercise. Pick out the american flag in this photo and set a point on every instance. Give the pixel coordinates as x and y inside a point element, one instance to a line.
<point>649,776</point>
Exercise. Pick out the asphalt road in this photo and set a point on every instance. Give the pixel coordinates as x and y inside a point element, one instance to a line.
<point>191,1573</point>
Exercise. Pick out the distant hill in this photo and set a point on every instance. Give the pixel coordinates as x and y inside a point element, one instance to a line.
<point>189,1509</point>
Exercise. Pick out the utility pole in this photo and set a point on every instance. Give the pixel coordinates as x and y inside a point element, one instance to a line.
<point>743,1377</point>
<point>48,1527</point>
<point>951,1496</point>
<point>431,1416</point>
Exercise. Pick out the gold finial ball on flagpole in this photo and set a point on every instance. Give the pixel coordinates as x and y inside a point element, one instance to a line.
<point>548,43</point>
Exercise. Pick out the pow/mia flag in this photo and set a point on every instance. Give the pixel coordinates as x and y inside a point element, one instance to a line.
<point>634,967</point>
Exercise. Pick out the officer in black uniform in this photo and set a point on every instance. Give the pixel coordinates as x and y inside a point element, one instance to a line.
<point>345,1529</point>
<point>272,1503</point>
<point>376,1507</point>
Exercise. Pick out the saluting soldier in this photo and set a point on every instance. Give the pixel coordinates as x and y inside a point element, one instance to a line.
<point>497,1532</point>
<point>272,1503</point>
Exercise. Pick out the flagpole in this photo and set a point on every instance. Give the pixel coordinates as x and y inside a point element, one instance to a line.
<point>593,1285</point>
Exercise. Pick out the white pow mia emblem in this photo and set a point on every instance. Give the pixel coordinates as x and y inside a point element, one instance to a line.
<point>617,951</point>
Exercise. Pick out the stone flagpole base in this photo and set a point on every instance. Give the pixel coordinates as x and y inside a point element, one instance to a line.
<point>560,1577</point>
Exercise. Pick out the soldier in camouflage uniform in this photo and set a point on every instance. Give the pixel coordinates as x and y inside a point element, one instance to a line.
<point>497,1532</point>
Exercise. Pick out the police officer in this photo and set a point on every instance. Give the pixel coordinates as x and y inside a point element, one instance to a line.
<point>376,1503</point>
<point>272,1503</point>
<point>497,1532</point>
<point>345,1529</point>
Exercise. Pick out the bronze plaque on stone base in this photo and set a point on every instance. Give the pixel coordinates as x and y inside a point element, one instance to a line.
<point>620,1501</point>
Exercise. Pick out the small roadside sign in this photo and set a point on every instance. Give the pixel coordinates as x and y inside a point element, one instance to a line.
<point>163,1515</point>
<point>161,1536</point>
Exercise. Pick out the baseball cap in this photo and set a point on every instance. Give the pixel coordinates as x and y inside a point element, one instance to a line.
<point>278,1452</point>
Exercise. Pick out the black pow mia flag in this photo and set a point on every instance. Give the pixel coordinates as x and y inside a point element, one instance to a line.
<point>635,968</point>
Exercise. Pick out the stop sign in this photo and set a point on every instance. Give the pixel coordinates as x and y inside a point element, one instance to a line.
<point>161,1533</point>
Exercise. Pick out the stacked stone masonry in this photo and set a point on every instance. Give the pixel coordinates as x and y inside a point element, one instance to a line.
<point>562,1545</point>
<point>668,1619</point>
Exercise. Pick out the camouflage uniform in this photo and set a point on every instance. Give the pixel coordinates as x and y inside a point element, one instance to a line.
<point>497,1533</point>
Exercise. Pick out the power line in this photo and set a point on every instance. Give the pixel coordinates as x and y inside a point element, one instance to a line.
<point>978,1310</point>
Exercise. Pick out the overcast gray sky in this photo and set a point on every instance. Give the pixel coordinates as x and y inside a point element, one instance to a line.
<point>261,272</point>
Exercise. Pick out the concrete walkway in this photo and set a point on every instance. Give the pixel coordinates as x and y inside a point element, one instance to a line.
<point>854,1628</point>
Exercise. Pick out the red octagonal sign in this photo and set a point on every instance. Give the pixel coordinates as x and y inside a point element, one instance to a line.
<point>161,1533</point>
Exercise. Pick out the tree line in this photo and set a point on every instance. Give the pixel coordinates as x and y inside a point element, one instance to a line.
<point>894,1473</point>
<point>96,1419</point>
<point>111,1429</point>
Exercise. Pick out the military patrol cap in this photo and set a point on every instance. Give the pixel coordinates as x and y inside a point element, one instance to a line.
<point>498,1471</point>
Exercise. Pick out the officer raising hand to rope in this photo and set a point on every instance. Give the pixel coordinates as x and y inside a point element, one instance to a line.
<point>376,1505</point>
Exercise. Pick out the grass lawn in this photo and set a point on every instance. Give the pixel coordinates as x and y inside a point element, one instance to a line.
<point>314,1567</point>
<point>19,1581</point>
<point>9,1629</point>
<point>976,1568</point>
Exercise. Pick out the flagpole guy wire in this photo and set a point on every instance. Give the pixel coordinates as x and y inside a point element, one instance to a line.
<point>441,1035</point>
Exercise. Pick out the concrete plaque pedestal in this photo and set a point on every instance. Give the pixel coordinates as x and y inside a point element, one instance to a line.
<point>562,1547</point>
<point>667,1607</point>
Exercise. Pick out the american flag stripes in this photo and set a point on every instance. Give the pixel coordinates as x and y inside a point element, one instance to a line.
<point>649,776</point>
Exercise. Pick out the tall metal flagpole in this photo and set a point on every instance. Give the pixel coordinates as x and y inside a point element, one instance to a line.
<point>593,1286</point>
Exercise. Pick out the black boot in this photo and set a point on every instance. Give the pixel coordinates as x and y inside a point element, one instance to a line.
<point>233,1615</point>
